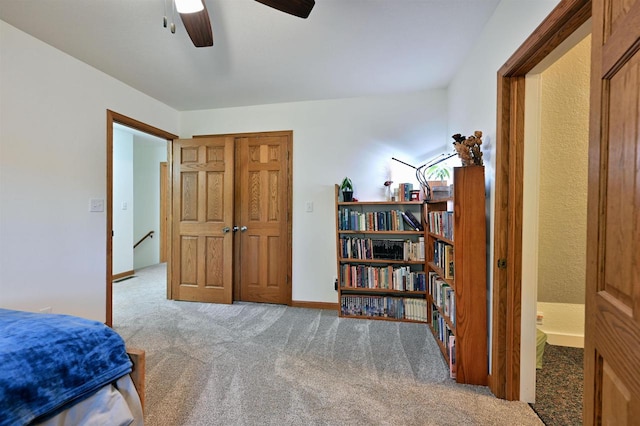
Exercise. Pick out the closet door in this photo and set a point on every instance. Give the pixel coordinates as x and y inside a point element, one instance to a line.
<point>263,215</point>
<point>202,219</point>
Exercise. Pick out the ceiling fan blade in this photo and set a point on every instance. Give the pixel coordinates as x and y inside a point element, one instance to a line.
<point>198,27</point>
<point>299,8</point>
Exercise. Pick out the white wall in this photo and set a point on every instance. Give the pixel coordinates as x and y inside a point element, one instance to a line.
<point>563,323</point>
<point>122,241</point>
<point>52,162</point>
<point>564,157</point>
<point>332,139</point>
<point>564,99</point>
<point>473,92</point>
<point>147,158</point>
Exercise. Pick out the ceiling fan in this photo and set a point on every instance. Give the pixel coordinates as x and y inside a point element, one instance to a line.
<point>195,17</point>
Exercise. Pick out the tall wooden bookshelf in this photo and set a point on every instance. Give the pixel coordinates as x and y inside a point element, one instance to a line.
<point>381,261</point>
<point>456,265</point>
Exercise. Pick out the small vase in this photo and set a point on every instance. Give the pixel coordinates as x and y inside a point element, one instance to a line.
<point>347,196</point>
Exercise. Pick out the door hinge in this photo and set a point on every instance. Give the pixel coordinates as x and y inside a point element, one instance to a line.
<point>502,263</point>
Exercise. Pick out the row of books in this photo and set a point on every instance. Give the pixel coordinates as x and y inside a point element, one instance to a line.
<point>441,223</point>
<point>440,327</point>
<point>443,296</point>
<point>391,220</point>
<point>369,249</point>
<point>400,278</point>
<point>403,192</point>
<point>443,258</point>
<point>384,306</point>
<point>446,336</point>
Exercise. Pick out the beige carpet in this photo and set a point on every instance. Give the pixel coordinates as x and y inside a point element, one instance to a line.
<point>261,364</point>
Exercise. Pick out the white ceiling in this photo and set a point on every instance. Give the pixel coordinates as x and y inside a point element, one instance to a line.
<point>346,48</point>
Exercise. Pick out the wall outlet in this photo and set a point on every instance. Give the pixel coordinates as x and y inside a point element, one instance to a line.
<point>539,317</point>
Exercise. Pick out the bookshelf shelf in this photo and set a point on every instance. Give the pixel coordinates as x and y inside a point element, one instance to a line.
<point>374,240</point>
<point>382,261</point>
<point>433,267</point>
<point>440,237</point>
<point>456,266</point>
<point>379,203</point>
<point>382,319</point>
<point>382,232</point>
<point>382,291</point>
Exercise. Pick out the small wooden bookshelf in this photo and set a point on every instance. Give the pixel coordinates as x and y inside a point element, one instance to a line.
<point>456,264</point>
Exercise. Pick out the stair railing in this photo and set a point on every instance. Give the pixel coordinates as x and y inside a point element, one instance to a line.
<point>149,235</point>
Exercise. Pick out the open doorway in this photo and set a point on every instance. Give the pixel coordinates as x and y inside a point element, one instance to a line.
<point>138,212</point>
<point>509,331</point>
<point>554,230</point>
<point>113,120</point>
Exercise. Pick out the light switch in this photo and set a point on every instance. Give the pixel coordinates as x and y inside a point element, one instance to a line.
<point>96,205</point>
<point>309,206</point>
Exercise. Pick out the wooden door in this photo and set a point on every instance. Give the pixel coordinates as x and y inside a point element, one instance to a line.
<point>263,209</point>
<point>612,338</point>
<point>202,241</point>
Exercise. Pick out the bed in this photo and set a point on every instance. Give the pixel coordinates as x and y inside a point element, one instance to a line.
<point>64,370</point>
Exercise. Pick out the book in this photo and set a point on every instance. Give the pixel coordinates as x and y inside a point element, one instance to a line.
<point>409,222</point>
<point>388,249</point>
<point>418,223</point>
<point>452,356</point>
<point>448,262</point>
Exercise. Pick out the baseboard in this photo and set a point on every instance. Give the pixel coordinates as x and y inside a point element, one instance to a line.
<point>570,340</point>
<point>122,275</point>
<point>314,305</point>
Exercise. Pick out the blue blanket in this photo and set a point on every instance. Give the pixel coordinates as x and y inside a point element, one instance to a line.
<point>49,361</point>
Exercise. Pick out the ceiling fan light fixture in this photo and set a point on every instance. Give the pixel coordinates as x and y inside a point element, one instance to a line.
<point>189,6</point>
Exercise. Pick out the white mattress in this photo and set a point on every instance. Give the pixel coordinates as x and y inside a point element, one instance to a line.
<point>116,404</point>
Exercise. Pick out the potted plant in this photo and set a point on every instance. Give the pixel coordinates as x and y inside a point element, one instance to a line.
<point>438,173</point>
<point>347,189</point>
<point>437,188</point>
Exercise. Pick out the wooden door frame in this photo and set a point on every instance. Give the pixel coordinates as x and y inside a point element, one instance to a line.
<point>164,211</point>
<point>289,177</point>
<point>114,117</point>
<point>563,21</point>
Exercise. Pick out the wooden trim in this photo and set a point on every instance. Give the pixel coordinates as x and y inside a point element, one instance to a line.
<point>139,125</point>
<point>565,19</point>
<point>315,305</point>
<point>249,135</point>
<point>164,185</point>
<point>123,275</point>
<point>109,230</point>
<point>138,372</point>
<point>593,363</point>
<point>169,234</point>
<point>514,236</point>
<point>114,117</point>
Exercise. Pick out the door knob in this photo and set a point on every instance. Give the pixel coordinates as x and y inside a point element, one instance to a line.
<point>226,229</point>
<point>243,228</point>
<point>235,229</point>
